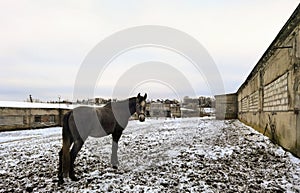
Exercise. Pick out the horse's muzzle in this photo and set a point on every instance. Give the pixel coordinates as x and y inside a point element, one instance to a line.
<point>142,117</point>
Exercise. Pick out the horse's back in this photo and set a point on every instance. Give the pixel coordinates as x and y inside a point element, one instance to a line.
<point>95,122</point>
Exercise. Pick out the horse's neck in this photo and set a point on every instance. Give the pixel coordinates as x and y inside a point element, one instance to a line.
<point>124,105</point>
<point>132,105</point>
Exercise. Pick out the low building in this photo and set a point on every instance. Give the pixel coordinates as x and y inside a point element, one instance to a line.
<point>164,109</point>
<point>23,115</point>
<point>175,110</point>
<point>226,106</point>
<point>158,109</point>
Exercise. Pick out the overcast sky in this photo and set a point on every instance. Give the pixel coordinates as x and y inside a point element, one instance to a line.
<point>43,43</point>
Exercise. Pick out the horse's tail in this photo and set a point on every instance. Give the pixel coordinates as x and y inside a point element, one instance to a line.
<point>67,140</point>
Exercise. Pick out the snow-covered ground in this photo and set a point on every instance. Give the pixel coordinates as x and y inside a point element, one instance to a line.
<point>163,155</point>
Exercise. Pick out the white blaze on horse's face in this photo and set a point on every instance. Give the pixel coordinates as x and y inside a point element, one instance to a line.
<point>141,111</point>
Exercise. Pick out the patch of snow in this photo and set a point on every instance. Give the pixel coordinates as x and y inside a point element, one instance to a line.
<point>16,104</point>
<point>293,159</point>
<point>186,109</point>
<point>219,152</point>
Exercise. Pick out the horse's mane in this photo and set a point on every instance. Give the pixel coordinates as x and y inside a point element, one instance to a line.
<point>132,99</point>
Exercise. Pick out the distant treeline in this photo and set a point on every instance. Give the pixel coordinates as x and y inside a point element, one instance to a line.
<point>204,102</point>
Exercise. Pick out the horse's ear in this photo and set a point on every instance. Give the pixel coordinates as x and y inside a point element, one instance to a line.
<point>139,95</point>
<point>145,96</point>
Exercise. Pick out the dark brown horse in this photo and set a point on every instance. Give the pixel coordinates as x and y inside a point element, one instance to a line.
<point>82,122</point>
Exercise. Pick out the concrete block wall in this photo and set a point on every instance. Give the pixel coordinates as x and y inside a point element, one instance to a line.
<point>269,99</point>
<point>276,94</point>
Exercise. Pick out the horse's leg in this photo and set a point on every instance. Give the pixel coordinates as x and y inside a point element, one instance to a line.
<point>60,173</point>
<point>64,160</point>
<point>75,149</point>
<point>114,156</point>
<point>64,154</point>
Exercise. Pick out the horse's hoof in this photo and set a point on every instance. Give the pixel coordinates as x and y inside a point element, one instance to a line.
<point>115,167</point>
<point>74,178</point>
<point>60,181</point>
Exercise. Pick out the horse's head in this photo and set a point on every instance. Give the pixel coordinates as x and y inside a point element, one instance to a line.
<point>141,106</point>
